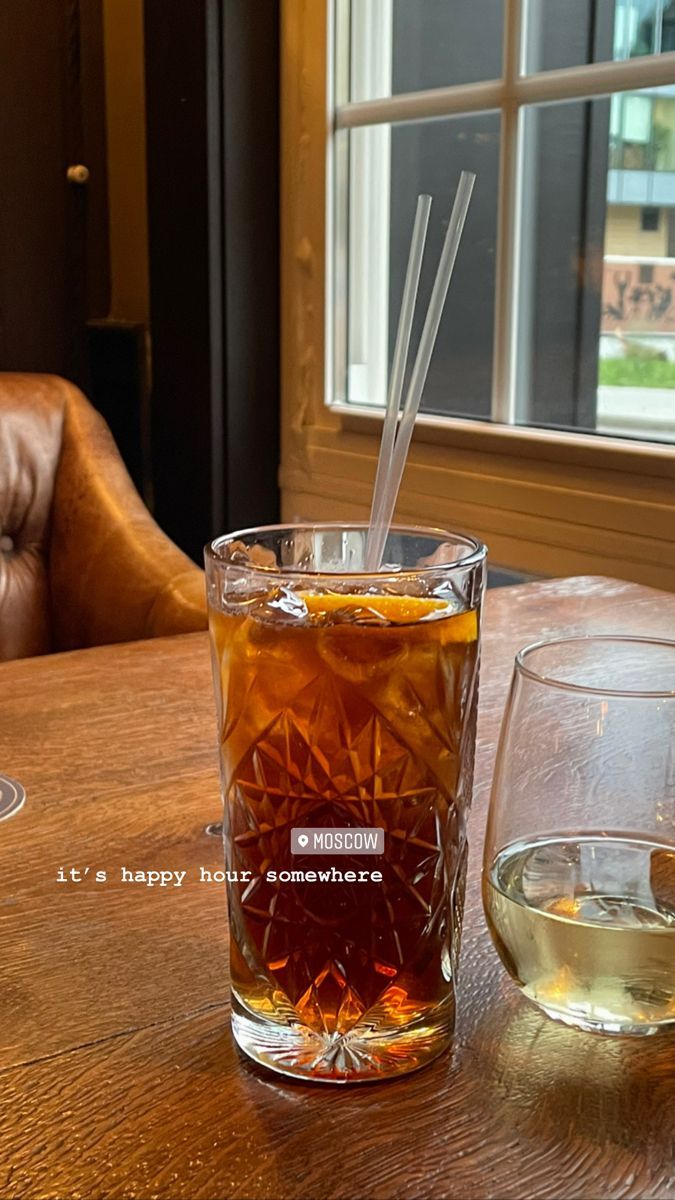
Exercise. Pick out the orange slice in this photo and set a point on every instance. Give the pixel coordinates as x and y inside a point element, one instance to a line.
<point>400,610</point>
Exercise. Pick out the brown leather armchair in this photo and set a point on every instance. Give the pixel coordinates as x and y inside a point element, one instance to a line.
<point>81,560</point>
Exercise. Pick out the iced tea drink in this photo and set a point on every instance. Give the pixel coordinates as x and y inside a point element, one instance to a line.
<point>346,702</point>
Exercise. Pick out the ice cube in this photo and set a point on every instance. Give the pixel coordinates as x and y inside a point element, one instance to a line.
<point>242,555</point>
<point>280,605</point>
<point>662,880</point>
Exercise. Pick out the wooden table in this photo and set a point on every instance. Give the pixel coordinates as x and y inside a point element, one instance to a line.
<point>119,1077</point>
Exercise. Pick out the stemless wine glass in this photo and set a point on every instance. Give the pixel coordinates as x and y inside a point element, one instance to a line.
<point>579,868</point>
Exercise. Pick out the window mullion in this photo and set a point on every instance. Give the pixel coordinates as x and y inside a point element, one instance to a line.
<point>369,204</point>
<point>596,79</point>
<point>544,87</point>
<point>414,106</point>
<point>504,390</point>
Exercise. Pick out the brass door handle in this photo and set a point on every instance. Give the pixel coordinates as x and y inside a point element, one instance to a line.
<point>78,174</point>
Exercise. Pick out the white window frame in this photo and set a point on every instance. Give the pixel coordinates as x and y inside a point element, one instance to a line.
<point>369,224</point>
<point>545,501</point>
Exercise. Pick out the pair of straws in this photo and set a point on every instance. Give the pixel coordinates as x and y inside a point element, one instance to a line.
<point>396,437</point>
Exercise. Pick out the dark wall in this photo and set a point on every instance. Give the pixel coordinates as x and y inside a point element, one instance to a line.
<point>251,174</point>
<point>185,285</point>
<point>212,135</point>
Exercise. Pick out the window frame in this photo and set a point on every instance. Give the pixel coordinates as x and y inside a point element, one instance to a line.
<point>557,502</point>
<point>511,96</point>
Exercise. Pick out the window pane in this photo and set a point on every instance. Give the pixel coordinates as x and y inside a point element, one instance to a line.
<point>388,167</point>
<point>397,46</point>
<point>602,30</point>
<point>597,300</point>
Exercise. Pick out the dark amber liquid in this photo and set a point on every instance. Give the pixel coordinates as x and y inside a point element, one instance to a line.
<point>342,724</point>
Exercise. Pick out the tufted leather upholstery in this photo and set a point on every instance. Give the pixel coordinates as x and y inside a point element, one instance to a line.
<point>81,560</point>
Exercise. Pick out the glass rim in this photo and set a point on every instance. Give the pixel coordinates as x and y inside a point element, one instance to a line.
<point>590,689</point>
<point>477,550</point>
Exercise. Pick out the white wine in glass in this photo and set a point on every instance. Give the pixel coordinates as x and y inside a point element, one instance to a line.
<point>579,871</point>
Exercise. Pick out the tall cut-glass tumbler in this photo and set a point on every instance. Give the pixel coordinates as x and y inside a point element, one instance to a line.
<point>346,715</point>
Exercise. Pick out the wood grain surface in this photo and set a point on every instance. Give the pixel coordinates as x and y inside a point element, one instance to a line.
<point>118,1075</point>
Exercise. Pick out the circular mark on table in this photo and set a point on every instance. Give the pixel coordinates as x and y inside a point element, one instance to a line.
<point>12,796</point>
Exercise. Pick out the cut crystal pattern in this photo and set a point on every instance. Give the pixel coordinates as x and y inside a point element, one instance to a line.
<point>342,954</point>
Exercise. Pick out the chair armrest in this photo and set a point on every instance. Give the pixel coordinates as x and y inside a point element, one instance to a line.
<point>114,575</point>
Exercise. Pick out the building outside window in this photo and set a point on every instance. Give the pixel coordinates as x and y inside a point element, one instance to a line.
<point>637,344</point>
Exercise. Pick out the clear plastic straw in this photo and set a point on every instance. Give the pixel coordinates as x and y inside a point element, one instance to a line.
<point>421,367</point>
<point>405,321</point>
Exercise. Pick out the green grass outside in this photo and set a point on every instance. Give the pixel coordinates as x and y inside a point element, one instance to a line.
<point>636,372</point>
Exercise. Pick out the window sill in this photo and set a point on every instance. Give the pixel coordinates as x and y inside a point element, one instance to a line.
<point>544,445</point>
